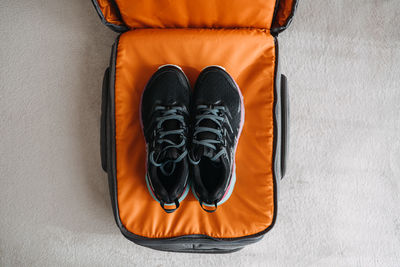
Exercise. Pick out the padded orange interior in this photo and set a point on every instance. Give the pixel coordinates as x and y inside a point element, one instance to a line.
<point>284,11</point>
<point>197,13</point>
<point>109,12</point>
<point>249,56</point>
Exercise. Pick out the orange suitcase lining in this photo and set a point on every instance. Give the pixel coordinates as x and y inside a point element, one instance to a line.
<point>120,15</point>
<point>284,15</point>
<point>196,13</point>
<point>109,12</point>
<point>249,56</point>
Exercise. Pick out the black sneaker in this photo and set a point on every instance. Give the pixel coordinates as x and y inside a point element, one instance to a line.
<point>165,115</point>
<point>218,114</point>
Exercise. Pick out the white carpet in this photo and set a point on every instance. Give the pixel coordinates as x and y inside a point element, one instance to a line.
<point>339,204</point>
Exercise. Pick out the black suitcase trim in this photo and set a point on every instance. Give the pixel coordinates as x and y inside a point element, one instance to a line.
<point>187,243</point>
<point>114,27</point>
<point>276,30</point>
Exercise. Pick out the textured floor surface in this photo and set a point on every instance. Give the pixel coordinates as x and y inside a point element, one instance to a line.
<point>339,204</point>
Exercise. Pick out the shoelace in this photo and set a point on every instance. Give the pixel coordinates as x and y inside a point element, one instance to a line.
<point>214,114</point>
<point>169,114</point>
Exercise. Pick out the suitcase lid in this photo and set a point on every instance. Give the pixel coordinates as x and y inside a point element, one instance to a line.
<point>122,15</point>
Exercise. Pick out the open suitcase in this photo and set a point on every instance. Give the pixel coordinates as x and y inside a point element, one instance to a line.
<point>240,36</point>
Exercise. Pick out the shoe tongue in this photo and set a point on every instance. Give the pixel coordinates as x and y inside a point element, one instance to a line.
<point>171,153</point>
<point>207,135</point>
<point>204,150</point>
<point>208,153</point>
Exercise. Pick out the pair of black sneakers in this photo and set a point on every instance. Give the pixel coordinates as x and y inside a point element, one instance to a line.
<point>191,138</point>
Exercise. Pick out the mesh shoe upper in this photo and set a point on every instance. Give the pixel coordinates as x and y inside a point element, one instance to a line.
<point>217,123</point>
<point>165,114</point>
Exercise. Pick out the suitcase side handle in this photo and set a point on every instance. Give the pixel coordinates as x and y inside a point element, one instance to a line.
<point>285,124</point>
<point>103,118</point>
